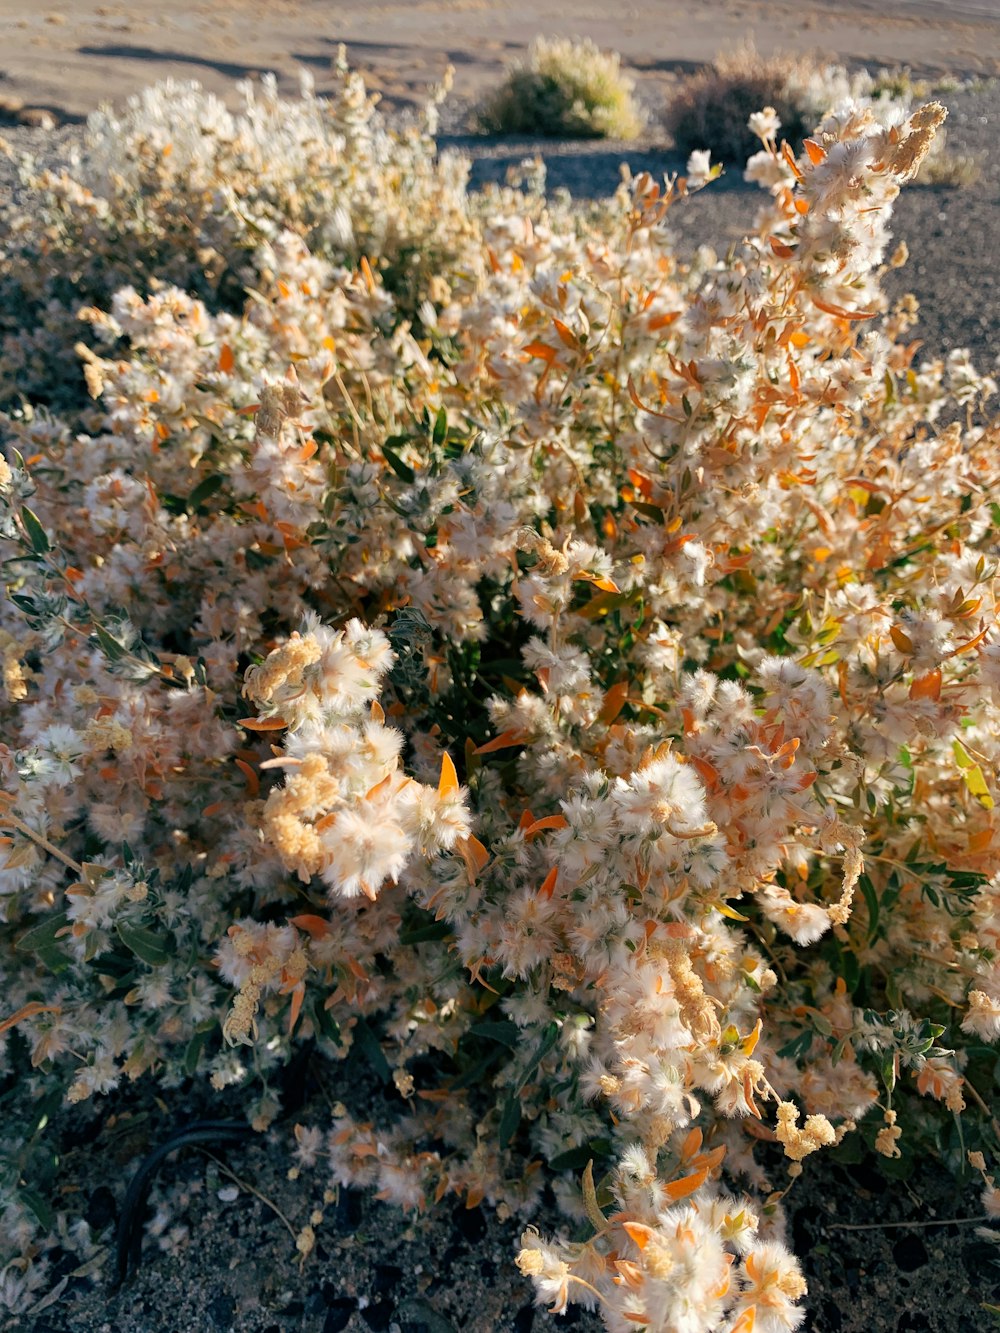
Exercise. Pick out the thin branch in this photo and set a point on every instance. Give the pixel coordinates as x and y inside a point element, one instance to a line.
<point>244,1184</point>
<point>6,818</point>
<point>905,1226</point>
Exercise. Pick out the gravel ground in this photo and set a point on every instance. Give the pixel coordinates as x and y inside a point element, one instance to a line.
<point>877,1259</point>
<point>879,1256</point>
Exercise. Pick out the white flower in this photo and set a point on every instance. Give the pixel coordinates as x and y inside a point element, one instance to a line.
<point>765,124</point>
<point>699,169</point>
<point>365,847</point>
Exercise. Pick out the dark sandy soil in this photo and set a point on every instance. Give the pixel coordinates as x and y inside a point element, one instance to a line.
<point>878,1256</point>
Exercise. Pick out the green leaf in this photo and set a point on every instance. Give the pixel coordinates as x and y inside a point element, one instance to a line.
<point>505,1032</point>
<point>33,1200</point>
<point>549,1039</point>
<point>370,1048</point>
<point>649,511</point>
<point>510,1118</point>
<point>433,930</point>
<point>109,646</point>
<point>35,533</point>
<point>41,941</point>
<point>401,469</point>
<point>193,1050</point>
<point>871,900</point>
<point>205,489</point>
<point>149,946</point>
<point>440,427</point>
<point>797,1047</point>
<point>573,1159</point>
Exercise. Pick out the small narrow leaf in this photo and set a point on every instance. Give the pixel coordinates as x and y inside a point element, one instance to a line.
<point>370,1048</point>
<point>597,1219</point>
<point>510,1118</point>
<point>35,533</point>
<point>448,781</point>
<point>402,470</point>
<point>440,427</point>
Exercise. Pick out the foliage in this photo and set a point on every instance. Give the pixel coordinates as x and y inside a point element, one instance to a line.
<point>567,681</point>
<point>711,108</point>
<point>176,189</point>
<point>567,89</point>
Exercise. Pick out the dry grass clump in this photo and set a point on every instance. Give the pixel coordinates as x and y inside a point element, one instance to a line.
<point>712,107</point>
<point>567,89</point>
<point>942,166</point>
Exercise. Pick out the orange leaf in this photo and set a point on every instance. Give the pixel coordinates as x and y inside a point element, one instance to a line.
<point>781,250</point>
<point>541,350</point>
<point>473,853</point>
<point>816,153</point>
<point>605,584</point>
<point>216,808</point>
<point>566,334</point>
<point>972,643</point>
<point>253,781</point>
<point>226,358</point>
<point>614,702</point>
<point>746,1321</point>
<point>298,995</point>
<point>691,1145</point>
<point>503,742</point>
<point>928,686</point>
<point>28,1011</point>
<point>789,157</point>
<point>902,640</point>
<point>680,1189</point>
<point>448,781</point>
<point>377,711</point>
<point>638,1232</point>
<point>379,787</point>
<point>840,312</point>
<point>979,842</point>
<point>748,1043</point>
<point>316,927</point>
<point>539,825</point>
<point>663,321</point>
<point>637,402</point>
<point>262,723</point>
<point>548,886</point>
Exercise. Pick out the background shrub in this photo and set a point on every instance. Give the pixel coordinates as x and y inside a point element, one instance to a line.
<point>712,107</point>
<point>568,89</point>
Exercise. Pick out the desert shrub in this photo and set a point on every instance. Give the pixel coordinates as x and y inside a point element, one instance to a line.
<point>582,705</point>
<point>711,108</point>
<point>565,89</point>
